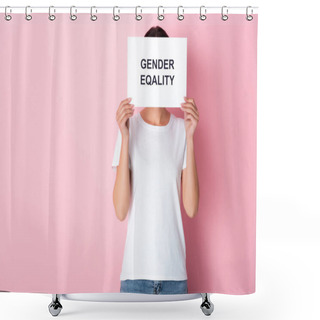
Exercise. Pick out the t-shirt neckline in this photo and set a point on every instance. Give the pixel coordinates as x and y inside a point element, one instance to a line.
<point>153,127</point>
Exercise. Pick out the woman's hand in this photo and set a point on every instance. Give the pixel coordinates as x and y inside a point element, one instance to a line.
<point>124,112</point>
<point>191,116</point>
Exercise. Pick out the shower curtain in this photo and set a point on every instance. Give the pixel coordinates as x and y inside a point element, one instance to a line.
<point>61,83</point>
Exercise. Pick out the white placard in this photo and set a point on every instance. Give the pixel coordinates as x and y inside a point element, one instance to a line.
<point>157,71</point>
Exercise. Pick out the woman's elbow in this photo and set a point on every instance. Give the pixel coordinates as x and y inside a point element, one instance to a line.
<point>191,208</point>
<point>121,217</point>
<point>192,213</point>
<point>121,207</point>
<point>121,214</point>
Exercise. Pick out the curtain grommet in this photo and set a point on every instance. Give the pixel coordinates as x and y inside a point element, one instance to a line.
<point>160,16</point>
<point>93,17</point>
<point>202,15</point>
<point>51,16</point>
<point>7,16</point>
<point>224,17</point>
<point>73,17</point>
<point>28,17</point>
<point>249,17</point>
<point>138,16</point>
<point>116,17</point>
<point>180,15</point>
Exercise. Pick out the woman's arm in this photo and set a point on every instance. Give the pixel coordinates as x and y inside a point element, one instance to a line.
<point>122,186</point>
<point>190,183</point>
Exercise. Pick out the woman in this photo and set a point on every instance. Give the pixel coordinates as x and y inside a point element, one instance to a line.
<point>154,152</point>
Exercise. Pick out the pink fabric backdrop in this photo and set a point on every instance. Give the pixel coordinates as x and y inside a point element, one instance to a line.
<point>60,85</point>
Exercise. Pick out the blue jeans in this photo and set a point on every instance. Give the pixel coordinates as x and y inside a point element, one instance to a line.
<point>154,286</point>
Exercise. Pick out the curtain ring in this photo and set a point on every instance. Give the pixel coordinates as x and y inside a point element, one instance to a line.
<point>28,16</point>
<point>224,17</point>
<point>180,16</point>
<point>138,16</point>
<point>115,17</point>
<point>73,16</point>
<point>203,16</point>
<point>160,16</point>
<point>51,16</point>
<point>249,17</point>
<point>93,17</point>
<point>6,15</point>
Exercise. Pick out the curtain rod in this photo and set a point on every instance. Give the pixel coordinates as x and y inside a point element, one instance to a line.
<point>36,9</point>
<point>132,7</point>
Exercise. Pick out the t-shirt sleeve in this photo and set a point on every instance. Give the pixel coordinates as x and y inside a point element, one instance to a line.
<point>117,151</point>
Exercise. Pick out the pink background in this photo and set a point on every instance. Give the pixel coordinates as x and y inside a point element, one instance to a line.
<point>60,85</point>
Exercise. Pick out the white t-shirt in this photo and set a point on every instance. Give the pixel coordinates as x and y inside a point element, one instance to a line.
<point>155,243</point>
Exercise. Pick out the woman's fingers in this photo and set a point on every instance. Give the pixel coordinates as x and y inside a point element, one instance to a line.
<point>190,105</point>
<point>191,100</point>
<point>123,108</point>
<point>126,112</point>
<point>123,102</point>
<point>190,108</point>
